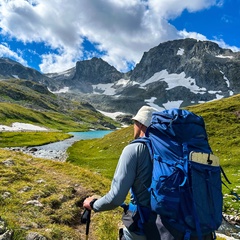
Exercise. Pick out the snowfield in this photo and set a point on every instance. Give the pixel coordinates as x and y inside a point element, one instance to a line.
<point>22,127</point>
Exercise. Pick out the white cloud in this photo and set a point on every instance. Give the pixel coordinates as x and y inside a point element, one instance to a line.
<point>64,60</point>
<point>123,30</point>
<point>173,8</point>
<point>184,34</point>
<point>222,44</point>
<point>6,52</point>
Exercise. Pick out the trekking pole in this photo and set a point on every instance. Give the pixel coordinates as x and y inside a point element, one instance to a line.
<point>86,218</point>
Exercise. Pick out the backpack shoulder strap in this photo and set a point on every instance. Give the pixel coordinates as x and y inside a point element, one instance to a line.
<point>147,142</point>
<point>143,213</point>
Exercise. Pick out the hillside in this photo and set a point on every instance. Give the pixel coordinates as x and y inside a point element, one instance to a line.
<point>30,102</point>
<point>222,121</point>
<point>45,197</point>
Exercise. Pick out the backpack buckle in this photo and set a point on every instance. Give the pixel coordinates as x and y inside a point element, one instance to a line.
<point>187,235</point>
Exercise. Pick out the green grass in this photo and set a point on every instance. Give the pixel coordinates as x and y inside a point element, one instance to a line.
<point>79,119</point>
<point>222,119</point>
<point>90,167</point>
<point>10,113</point>
<point>28,139</point>
<point>59,187</point>
<point>100,155</point>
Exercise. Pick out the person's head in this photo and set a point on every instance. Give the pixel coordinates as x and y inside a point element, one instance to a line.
<point>142,120</point>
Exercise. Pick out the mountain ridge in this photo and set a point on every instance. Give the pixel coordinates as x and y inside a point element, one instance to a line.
<point>175,73</point>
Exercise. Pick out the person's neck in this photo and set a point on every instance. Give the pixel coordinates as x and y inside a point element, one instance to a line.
<point>142,134</point>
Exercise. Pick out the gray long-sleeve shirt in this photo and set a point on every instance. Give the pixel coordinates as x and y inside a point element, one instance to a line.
<point>134,170</point>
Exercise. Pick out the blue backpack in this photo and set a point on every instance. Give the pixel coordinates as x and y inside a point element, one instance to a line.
<point>186,180</point>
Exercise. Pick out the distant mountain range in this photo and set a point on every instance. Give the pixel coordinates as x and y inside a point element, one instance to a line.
<point>176,73</point>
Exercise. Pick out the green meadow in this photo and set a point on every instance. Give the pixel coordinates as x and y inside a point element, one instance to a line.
<point>60,188</point>
<point>75,118</point>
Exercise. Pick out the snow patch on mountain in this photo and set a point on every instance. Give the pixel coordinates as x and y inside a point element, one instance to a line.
<point>63,90</point>
<point>111,115</point>
<point>104,88</point>
<point>16,76</point>
<point>110,88</point>
<point>167,105</point>
<point>173,80</point>
<point>122,82</point>
<point>172,104</point>
<point>222,56</point>
<point>180,51</point>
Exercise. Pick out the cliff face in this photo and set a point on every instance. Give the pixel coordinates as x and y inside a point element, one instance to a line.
<point>205,62</point>
<point>173,74</point>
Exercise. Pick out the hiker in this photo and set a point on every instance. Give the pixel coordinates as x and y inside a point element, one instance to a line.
<point>134,170</point>
<point>134,173</point>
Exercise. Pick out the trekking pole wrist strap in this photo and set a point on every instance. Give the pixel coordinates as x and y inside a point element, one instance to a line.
<point>92,202</point>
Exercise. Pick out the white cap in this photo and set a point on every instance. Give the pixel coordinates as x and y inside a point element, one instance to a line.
<point>144,115</point>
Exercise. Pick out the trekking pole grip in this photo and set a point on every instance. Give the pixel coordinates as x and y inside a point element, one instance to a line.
<point>86,219</point>
<point>85,216</point>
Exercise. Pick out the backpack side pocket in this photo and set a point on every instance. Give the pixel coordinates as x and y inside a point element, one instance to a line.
<point>207,195</point>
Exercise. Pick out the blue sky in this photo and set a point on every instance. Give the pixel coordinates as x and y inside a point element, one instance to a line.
<point>51,36</point>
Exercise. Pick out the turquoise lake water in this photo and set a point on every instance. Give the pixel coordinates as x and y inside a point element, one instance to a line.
<point>90,134</point>
<point>57,150</point>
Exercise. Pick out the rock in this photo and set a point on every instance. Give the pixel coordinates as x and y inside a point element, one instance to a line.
<point>2,226</point>
<point>126,119</point>
<point>35,236</point>
<point>33,149</point>
<point>6,195</point>
<point>40,181</point>
<point>8,163</point>
<point>25,189</point>
<point>7,235</point>
<point>35,203</point>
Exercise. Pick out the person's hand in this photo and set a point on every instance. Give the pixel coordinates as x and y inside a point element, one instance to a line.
<point>86,203</point>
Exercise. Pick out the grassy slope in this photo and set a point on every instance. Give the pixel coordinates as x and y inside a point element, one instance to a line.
<point>59,188</point>
<point>96,158</point>
<point>27,93</point>
<point>100,155</point>
<point>223,127</point>
<point>10,113</point>
<point>30,102</point>
<point>29,139</point>
<point>77,120</point>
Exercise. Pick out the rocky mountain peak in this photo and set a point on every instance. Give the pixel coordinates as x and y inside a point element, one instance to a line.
<point>175,73</point>
<point>10,69</point>
<point>184,55</point>
<point>87,73</point>
<point>96,71</point>
<point>202,60</point>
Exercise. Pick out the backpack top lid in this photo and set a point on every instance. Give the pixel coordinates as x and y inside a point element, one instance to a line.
<point>175,127</point>
<point>181,125</point>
